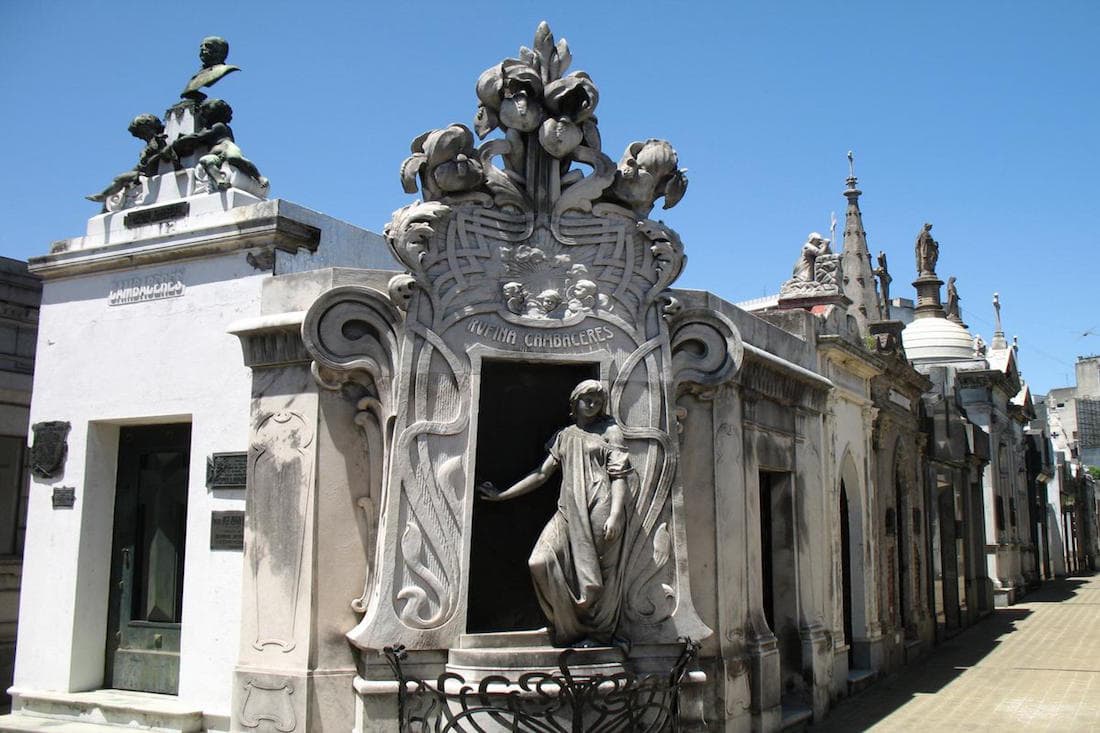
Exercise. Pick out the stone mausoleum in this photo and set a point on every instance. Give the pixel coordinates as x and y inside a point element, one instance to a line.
<point>491,470</point>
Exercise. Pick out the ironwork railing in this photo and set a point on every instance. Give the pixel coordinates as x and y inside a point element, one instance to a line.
<point>543,702</point>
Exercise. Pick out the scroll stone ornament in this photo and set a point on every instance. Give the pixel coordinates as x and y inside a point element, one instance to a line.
<point>530,247</point>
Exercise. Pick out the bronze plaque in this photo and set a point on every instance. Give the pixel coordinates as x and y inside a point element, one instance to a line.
<point>227,530</point>
<point>50,448</point>
<point>64,497</point>
<point>226,470</point>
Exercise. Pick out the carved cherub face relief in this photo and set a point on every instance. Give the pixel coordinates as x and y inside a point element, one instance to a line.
<point>548,301</point>
<point>401,290</point>
<point>584,289</point>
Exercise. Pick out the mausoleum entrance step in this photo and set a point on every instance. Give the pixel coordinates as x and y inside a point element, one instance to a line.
<point>31,724</point>
<point>534,657</point>
<point>110,708</point>
<point>498,639</point>
<point>796,717</point>
<point>858,679</point>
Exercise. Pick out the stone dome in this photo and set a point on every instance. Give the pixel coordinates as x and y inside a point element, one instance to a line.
<point>937,340</point>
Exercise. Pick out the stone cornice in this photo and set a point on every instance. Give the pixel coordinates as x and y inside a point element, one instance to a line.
<point>270,230</point>
<point>852,357</point>
<point>272,340</point>
<point>780,380</point>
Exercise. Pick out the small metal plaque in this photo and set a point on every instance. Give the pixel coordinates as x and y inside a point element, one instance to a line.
<point>227,530</point>
<point>226,470</point>
<point>156,214</point>
<point>64,497</point>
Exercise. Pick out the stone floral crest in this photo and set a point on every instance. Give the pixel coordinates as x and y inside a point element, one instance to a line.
<point>551,169</point>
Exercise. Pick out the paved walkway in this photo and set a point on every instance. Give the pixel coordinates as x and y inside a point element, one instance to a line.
<point>1032,667</point>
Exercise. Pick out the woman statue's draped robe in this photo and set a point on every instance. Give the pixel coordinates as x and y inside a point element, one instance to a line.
<point>578,576</point>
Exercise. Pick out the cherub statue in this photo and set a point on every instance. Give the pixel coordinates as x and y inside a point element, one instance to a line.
<point>646,172</point>
<point>577,564</point>
<point>215,116</point>
<point>212,52</point>
<point>149,128</point>
<point>804,267</point>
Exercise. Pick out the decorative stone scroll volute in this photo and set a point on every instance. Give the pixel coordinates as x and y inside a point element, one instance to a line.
<point>533,247</point>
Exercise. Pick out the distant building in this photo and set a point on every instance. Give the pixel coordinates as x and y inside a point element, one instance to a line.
<point>1073,420</point>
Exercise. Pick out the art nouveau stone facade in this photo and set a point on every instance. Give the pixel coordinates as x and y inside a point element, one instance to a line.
<point>790,526</point>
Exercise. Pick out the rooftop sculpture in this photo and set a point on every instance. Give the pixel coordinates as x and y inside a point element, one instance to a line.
<point>815,273</point>
<point>212,52</point>
<point>927,252</point>
<point>195,145</point>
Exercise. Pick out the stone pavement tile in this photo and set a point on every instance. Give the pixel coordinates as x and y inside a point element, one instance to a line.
<point>1033,666</point>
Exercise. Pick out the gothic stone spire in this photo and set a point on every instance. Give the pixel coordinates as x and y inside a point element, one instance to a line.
<point>859,279</point>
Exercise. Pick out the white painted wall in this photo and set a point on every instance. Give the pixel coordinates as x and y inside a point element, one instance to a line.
<point>100,366</point>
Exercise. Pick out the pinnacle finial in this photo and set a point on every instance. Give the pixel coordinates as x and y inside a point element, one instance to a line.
<point>997,311</point>
<point>851,174</point>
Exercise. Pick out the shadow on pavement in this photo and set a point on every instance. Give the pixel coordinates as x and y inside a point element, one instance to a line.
<point>944,664</point>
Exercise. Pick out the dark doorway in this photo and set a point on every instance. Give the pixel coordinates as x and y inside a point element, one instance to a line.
<point>950,559</point>
<point>144,615</point>
<point>901,538</point>
<point>846,569</point>
<point>522,406</point>
<point>767,550</point>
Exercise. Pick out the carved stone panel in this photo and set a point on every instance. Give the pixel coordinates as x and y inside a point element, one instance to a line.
<point>281,480</point>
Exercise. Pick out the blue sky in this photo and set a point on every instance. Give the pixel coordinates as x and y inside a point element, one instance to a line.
<point>981,117</point>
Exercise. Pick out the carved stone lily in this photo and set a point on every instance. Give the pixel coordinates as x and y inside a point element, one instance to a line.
<point>570,102</point>
<point>446,162</point>
<point>511,97</point>
<point>647,171</point>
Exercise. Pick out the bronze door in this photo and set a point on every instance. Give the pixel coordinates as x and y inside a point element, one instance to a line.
<point>143,632</point>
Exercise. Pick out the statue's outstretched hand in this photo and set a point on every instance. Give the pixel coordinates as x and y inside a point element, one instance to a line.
<point>488,492</point>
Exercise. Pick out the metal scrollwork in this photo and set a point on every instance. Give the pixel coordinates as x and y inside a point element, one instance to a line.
<point>546,702</point>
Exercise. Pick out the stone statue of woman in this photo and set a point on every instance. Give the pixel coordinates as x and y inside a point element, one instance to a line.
<point>577,563</point>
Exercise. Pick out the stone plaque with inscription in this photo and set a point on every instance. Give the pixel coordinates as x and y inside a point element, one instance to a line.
<point>141,288</point>
<point>226,470</point>
<point>227,530</point>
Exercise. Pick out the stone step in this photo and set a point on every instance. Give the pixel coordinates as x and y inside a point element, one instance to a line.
<point>111,708</point>
<point>531,657</point>
<point>796,718</point>
<point>31,724</point>
<point>859,679</point>
<point>499,639</point>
